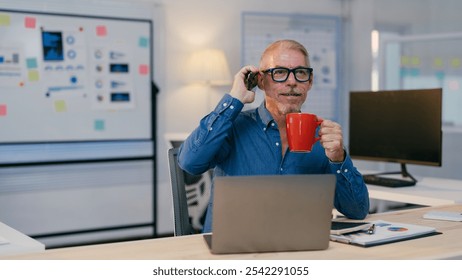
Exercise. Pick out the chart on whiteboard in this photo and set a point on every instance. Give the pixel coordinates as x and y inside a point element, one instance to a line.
<point>73,78</point>
<point>319,34</point>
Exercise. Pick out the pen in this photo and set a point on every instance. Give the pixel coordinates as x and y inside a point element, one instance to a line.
<point>371,229</point>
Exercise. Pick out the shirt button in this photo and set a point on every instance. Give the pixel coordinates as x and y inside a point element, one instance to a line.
<point>272,124</point>
<point>210,128</point>
<point>232,107</point>
<point>346,170</point>
<point>338,171</point>
<point>277,143</point>
<point>225,104</point>
<point>282,169</point>
<point>264,129</point>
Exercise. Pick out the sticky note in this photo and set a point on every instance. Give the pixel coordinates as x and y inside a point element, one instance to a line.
<point>454,85</point>
<point>405,60</point>
<point>31,63</point>
<point>143,42</point>
<point>455,62</point>
<point>440,75</point>
<point>414,72</point>
<point>101,30</point>
<point>2,110</point>
<point>60,106</point>
<point>33,75</point>
<point>4,20</point>
<point>99,125</point>
<point>438,62</point>
<point>143,69</point>
<point>29,22</point>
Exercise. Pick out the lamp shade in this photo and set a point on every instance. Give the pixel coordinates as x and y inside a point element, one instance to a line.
<point>209,66</point>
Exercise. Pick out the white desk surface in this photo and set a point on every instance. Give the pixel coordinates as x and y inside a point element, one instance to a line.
<point>447,245</point>
<point>18,243</point>
<point>427,192</point>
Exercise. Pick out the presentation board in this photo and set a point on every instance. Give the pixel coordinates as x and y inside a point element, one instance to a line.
<point>72,78</point>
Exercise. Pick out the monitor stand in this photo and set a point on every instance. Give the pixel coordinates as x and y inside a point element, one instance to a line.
<point>376,179</point>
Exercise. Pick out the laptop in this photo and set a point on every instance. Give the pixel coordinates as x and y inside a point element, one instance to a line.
<point>271,213</point>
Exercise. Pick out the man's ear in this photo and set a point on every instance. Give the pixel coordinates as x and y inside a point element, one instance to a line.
<point>311,80</point>
<point>260,81</point>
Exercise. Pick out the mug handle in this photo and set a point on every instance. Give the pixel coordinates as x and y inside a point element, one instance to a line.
<point>316,139</point>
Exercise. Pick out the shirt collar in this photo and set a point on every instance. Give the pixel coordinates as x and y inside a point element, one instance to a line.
<point>265,115</point>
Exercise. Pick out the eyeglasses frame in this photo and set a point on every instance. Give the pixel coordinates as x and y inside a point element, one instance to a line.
<point>271,70</point>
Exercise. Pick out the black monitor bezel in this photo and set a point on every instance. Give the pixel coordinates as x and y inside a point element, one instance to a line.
<point>383,158</point>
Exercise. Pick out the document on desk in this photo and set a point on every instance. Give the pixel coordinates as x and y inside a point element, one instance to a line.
<point>443,215</point>
<point>384,232</point>
<point>3,240</point>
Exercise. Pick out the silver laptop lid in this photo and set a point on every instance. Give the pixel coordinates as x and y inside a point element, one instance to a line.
<point>272,213</point>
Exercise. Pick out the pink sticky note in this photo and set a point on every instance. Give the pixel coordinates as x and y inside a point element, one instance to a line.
<point>143,69</point>
<point>29,22</point>
<point>101,30</point>
<point>2,110</point>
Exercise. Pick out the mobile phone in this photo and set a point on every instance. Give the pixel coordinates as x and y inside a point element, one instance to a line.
<point>251,80</point>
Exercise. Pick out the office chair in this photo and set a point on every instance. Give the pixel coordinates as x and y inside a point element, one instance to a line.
<point>190,194</point>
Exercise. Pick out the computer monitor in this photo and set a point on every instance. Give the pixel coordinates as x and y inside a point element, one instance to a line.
<point>402,126</point>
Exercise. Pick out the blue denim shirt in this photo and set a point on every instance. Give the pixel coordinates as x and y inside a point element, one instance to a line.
<point>236,142</point>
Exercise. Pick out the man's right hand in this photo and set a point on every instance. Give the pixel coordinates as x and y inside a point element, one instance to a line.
<point>239,90</point>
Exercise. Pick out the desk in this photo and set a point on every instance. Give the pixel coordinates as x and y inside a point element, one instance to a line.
<point>427,192</point>
<point>443,246</point>
<point>19,243</point>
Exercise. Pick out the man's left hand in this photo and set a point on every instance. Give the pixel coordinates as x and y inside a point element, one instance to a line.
<point>332,140</point>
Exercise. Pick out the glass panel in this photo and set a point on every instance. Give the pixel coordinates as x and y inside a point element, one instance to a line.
<point>430,61</point>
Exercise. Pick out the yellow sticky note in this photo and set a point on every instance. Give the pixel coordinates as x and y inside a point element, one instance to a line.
<point>4,20</point>
<point>33,75</point>
<point>60,106</point>
<point>415,61</point>
<point>455,62</point>
<point>438,62</point>
<point>404,60</point>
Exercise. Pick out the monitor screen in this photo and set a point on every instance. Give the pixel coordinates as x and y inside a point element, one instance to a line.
<point>402,126</point>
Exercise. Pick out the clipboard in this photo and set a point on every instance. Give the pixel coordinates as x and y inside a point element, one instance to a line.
<point>385,233</point>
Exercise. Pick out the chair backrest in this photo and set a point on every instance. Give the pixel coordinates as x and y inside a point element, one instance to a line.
<point>182,225</point>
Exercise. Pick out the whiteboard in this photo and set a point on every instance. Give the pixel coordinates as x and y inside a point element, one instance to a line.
<point>74,78</point>
<point>321,37</point>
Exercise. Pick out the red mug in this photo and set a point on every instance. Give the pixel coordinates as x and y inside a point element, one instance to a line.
<point>301,131</point>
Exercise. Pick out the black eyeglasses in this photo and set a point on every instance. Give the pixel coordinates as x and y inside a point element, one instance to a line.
<point>281,74</point>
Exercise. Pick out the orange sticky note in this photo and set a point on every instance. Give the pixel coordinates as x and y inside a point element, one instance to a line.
<point>101,30</point>
<point>144,69</point>
<point>29,22</point>
<point>2,110</point>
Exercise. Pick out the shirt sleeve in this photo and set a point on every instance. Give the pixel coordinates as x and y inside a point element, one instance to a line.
<point>210,140</point>
<point>351,195</point>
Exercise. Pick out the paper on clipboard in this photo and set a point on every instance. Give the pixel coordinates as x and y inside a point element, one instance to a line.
<point>385,232</point>
<point>339,227</point>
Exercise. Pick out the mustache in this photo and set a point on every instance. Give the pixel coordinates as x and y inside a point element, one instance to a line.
<point>291,93</point>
